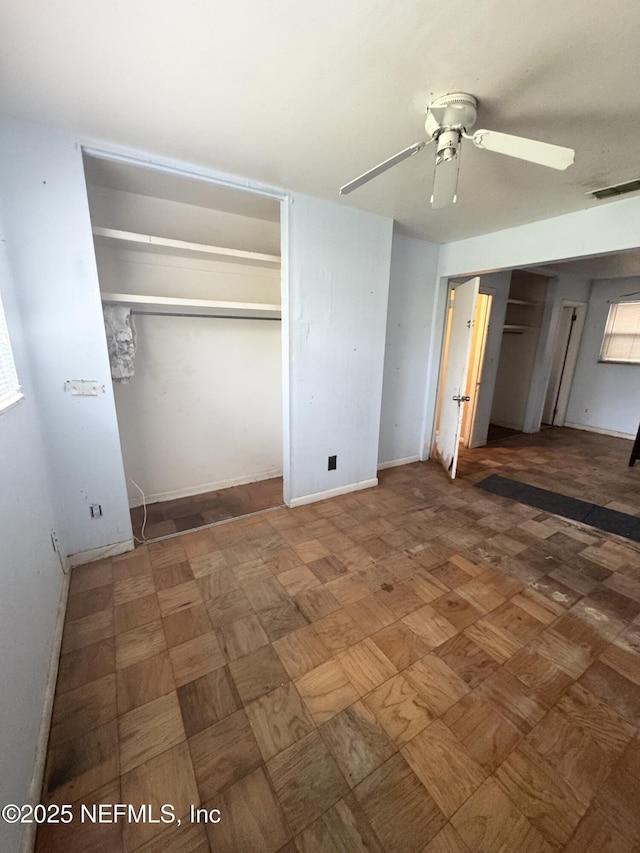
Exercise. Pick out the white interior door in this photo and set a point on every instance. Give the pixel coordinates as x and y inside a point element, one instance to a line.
<point>454,382</point>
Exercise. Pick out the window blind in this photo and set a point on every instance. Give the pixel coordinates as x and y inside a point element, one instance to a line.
<point>9,387</point>
<point>621,341</point>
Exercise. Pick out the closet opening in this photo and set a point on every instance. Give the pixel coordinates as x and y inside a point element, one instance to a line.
<point>190,283</point>
<point>512,407</point>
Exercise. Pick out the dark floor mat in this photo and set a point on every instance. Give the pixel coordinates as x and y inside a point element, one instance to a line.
<point>605,519</point>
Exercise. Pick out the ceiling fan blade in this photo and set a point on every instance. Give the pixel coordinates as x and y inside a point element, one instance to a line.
<point>445,182</point>
<point>543,153</point>
<point>382,167</point>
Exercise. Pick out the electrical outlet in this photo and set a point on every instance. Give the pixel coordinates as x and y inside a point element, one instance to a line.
<point>95,510</point>
<point>333,463</point>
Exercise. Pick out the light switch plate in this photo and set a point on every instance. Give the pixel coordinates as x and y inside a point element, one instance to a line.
<point>83,387</point>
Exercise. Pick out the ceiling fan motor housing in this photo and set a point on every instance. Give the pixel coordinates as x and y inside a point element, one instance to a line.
<point>451,112</point>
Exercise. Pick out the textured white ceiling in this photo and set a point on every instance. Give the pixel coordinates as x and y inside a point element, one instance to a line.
<point>307,95</point>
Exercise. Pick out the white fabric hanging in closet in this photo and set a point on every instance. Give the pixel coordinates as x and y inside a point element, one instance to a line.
<point>121,341</point>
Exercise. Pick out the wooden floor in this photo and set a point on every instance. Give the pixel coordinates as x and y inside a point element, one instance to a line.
<point>166,518</point>
<point>582,465</point>
<point>418,667</point>
<point>497,433</point>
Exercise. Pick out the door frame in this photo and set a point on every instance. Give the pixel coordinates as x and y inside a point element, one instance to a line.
<point>571,353</point>
<point>476,365</point>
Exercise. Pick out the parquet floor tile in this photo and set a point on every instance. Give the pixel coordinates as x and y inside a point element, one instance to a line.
<point>307,781</point>
<point>358,742</point>
<point>418,667</point>
<point>207,700</point>
<point>342,827</point>
<point>444,766</point>
<point>400,809</point>
<point>326,690</point>
<point>253,819</point>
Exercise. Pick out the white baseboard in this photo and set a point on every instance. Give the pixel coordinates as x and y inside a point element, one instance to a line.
<point>37,777</point>
<point>394,463</point>
<point>202,489</point>
<point>333,493</point>
<point>102,553</point>
<point>612,432</point>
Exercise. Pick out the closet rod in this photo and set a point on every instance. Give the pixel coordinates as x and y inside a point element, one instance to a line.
<point>206,316</point>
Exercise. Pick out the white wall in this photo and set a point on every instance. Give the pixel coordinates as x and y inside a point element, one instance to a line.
<point>126,271</point>
<point>204,409</point>
<point>411,297</point>
<point>513,382</point>
<point>31,577</point>
<point>611,227</point>
<point>571,288</point>
<point>336,262</point>
<point>604,396</point>
<point>160,217</point>
<point>51,253</point>
<point>338,283</point>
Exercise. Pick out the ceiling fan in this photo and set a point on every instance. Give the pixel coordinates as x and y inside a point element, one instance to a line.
<point>448,122</point>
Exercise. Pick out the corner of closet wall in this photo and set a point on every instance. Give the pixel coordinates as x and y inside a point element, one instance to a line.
<point>412,302</point>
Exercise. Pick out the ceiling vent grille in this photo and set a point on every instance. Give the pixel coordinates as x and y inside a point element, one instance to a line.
<point>616,189</point>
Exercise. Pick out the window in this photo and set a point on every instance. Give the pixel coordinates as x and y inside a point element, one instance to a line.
<point>621,340</point>
<point>9,387</point>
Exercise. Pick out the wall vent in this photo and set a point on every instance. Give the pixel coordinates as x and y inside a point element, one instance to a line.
<point>616,189</point>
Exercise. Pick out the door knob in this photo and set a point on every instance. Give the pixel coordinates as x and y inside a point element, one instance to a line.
<point>459,399</point>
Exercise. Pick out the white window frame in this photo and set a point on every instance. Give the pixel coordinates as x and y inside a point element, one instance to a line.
<point>623,320</point>
<point>10,392</point>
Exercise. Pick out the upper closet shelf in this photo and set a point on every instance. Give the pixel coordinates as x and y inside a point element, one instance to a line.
<point>127,239</point>
<point>195,307</point>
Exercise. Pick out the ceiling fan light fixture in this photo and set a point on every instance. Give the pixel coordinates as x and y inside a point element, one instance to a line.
<point>445,174</point>
<point>446,155</point>
<point>447,146</point>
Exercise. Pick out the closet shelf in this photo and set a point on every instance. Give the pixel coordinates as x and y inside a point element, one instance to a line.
<point>520,302</point>
<point>195,307</point>
<point>512,327</point>
<point>113,236</point>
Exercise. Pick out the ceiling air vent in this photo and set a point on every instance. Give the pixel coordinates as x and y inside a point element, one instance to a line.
<point>616,189</point>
